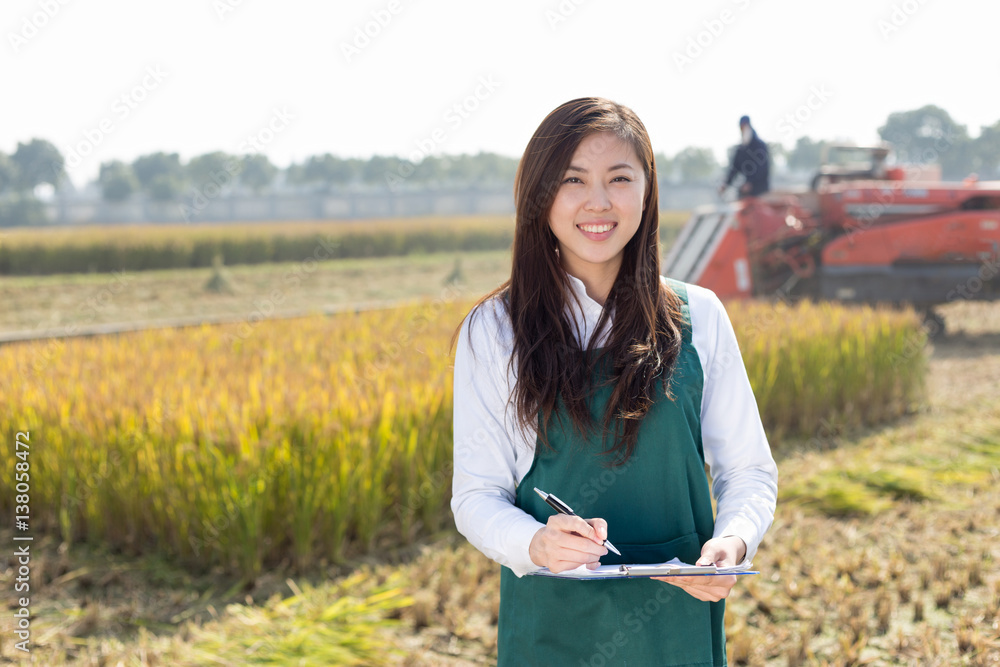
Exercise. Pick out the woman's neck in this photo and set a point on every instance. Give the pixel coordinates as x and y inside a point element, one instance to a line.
<point>598,281</point>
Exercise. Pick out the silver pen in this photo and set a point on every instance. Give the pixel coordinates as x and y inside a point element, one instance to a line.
<point>563,508</point>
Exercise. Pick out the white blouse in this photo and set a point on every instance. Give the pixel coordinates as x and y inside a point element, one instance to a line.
<point>492,454</point>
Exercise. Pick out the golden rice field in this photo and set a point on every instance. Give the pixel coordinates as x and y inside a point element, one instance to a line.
<point>121,247</point>
<point>132,235</point>
<point>239,445</point>
<point>817,368</point>
<point>316,439</point>
<point>107,248</point>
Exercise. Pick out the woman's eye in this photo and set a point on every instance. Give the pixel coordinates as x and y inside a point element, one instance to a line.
<point>572,179</point>
<point>623,179</point>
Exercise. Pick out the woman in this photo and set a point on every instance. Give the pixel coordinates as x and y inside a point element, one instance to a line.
<point>590,377</point>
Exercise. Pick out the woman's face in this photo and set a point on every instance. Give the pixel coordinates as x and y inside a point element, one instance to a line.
<point>598,206</point>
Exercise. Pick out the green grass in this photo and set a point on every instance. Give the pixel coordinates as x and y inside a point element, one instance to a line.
<point>340,623</point>
<point>922,459</point>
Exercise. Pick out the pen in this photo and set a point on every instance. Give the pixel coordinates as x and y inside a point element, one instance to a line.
<point>563,508</point>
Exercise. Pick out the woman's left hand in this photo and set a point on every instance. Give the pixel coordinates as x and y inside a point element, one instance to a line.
<point>719,551</point>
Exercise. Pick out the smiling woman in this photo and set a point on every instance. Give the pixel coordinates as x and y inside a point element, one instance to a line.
<point>584,362</point>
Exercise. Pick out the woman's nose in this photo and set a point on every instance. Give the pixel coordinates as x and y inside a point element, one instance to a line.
<point>597,199</point>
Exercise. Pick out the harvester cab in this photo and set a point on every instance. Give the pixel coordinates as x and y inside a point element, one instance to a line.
<point>864,231</point>
<point>840,162</point>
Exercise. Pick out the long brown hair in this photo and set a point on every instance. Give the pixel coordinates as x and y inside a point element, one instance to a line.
<point>645,337</point>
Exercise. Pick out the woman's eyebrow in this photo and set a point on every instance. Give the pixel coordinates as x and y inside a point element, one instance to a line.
<point>620,165</point>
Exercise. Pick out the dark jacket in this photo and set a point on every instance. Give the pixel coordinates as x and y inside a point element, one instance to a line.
<point>753,161</point>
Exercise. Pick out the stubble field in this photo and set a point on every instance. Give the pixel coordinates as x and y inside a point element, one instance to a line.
<point>883,551</point>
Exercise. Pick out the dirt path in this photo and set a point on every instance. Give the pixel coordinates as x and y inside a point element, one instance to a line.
<point>965,363</point>
<point>67,305</point>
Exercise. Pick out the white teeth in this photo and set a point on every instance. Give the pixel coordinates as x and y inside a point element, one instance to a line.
<point>596,229</point>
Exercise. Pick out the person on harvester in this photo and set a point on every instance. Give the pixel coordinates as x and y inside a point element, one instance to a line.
<point>752,160</point>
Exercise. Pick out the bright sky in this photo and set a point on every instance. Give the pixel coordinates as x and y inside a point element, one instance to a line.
<point>120,78</point>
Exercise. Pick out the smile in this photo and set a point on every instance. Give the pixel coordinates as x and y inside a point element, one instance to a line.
<point>597,228</point>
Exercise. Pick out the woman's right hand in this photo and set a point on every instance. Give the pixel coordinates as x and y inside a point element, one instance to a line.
<point>567,542</point>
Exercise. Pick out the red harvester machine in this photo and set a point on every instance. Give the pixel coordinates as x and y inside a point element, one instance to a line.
<point>863,233</point>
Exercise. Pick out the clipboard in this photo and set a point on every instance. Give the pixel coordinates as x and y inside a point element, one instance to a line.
<point>671,568</point>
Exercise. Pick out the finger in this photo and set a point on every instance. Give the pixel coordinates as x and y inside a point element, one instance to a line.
<point>600,528</point>
<point>713,552</point>
<point>572,545</point>
<point>572,524</point>
<point>699,594</point>
<point>709,582</point>
<point>580,545</point>
<point>710,592</point>
<point>693,591</point>
<point>704,596</point>
<point>709,556</point>
<point>561,565</point>
<point>667,580</point>
<point>690,582</point>
<point>722,551</point>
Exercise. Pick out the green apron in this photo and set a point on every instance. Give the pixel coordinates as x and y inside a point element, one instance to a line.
<point>657,506</point>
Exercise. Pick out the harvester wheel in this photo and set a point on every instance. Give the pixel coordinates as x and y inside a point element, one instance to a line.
<point>934,324</point>
<point>804,266</point>
<point>819,180</point>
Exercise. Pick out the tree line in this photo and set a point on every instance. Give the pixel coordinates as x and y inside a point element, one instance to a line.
<point>925,135</point>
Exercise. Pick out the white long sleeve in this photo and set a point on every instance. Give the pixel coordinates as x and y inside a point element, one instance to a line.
<point>492,455</point>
